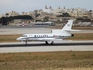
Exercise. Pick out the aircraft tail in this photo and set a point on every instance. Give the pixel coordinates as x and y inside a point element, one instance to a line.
<point>68,26</point>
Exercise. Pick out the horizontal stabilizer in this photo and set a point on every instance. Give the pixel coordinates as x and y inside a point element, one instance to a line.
<point>72,30</point>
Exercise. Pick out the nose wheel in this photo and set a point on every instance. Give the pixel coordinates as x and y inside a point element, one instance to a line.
<point>25,42</point>
<point>52,42</point>
<point>46,42</point>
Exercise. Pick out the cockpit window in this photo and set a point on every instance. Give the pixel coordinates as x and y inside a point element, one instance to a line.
<point>24,36</point>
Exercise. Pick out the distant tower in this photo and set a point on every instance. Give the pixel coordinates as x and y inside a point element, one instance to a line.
<point>64,7</point>
<point>59,7</point>
<point>50,7</point>
<point>46,7</point>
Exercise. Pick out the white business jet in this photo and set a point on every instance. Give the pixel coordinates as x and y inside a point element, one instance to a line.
<point>55,35</point>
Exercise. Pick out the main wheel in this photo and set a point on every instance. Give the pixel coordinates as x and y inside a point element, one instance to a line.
<point>52,42</point>
<point>25,42</point>
<point>46,42</point>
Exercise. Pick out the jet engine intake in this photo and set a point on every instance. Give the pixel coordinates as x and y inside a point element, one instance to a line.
<point>72,35</point>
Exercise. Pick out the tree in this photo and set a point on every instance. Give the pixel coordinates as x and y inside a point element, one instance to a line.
<point>66,15</point>
<point>79,18</point>
<point>46,18</point>
<point>22,17</point>
<point>4,21</point>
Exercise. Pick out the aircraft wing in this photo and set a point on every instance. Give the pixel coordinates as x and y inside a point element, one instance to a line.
<point>50,39</point>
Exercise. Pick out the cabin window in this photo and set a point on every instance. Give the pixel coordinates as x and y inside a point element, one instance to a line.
<point>30,35</point>
<point>40,35</point>
<point>34,35</point>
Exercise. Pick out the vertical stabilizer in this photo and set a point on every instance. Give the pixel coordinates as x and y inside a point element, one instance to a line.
<point>68,26</point>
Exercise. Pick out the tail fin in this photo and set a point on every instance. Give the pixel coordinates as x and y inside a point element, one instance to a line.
<point>68,26</point>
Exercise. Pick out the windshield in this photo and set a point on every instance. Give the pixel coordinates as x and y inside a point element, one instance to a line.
<point>24,36</point>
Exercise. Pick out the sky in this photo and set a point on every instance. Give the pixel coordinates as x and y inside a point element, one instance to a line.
<point>30,5</point>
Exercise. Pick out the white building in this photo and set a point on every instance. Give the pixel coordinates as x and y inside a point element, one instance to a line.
<point>1,15</point>
<point>60,11</point>
<point>13,13</point>
<point>48,10</point>
<point>78,12</point>
<point>27,13</point>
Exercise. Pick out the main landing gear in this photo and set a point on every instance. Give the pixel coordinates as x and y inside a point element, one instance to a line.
<point>25,42</point>
<point>46,42</point>
<point>52,42</point>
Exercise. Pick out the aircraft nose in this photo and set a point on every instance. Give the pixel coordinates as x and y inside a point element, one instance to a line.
<point>18,39</point>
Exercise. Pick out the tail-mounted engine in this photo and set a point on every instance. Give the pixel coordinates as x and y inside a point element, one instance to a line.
<point>72,35</point>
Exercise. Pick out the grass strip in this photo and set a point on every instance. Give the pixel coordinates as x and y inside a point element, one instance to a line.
<point>39,60</point>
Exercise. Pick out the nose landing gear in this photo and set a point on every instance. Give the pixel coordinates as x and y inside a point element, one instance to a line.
<point>25,42</point>
<point>46,42</point>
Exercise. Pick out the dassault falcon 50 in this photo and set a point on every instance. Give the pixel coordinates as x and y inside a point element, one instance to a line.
<point>55,35</point>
